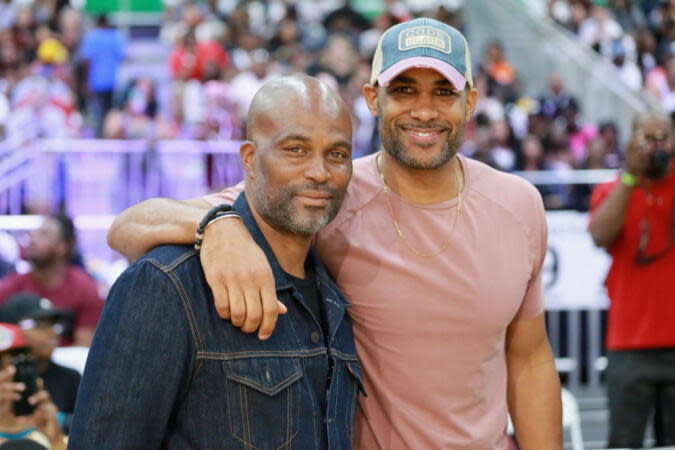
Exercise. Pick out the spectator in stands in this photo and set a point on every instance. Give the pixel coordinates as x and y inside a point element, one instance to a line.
<point>628,15</point>
<point>633,217</point>
<point>104,49</point>
<point>503,150</point>
<point>339,58</point>
<point>190,58</point>
<point>613,152</point>
<point>600,29</point>
<point>42,325</point>
<point>53,276</point>
<point>500,71</point>
<point>557,100</point>
<point>42,425</point>
<point>8,13</point>
<point>579,132</point>
<point>663,87</point>
<point>629,72</point>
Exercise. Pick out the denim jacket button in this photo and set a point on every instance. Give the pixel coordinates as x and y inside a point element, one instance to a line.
<point>314,337</point>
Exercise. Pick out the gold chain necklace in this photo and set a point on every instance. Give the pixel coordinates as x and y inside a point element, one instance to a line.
<point>398,229</point>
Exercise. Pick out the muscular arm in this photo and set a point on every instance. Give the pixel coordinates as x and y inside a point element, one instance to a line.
<point>533,387</point>
<point>153,222</point>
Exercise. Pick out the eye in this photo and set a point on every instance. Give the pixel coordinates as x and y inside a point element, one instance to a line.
<point>446,92</point>
<point>295,149</point>
<point>401,90</point>
<point>338,155</point>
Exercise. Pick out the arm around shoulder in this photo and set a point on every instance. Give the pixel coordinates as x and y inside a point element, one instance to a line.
<point>153,222</point>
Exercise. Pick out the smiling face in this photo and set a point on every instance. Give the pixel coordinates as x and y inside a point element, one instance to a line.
<point>421,117</point>
<point>298,158</point>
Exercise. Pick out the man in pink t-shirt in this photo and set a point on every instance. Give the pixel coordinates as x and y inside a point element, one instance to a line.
<point>52,276</point>
<point>440,256</point>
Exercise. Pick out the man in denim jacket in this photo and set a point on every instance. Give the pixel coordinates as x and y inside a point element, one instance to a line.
<point>172,374</point>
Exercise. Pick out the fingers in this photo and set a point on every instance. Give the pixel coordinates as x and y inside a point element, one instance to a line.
<point>7,373</point>
<point>39,397</point>
<point>222,301</point>
<point>9,390</point>
<point>271,308</point>
<point>237,307</point>
<point>240,277</point>
<point>253,310</point>
<point>218,286</point>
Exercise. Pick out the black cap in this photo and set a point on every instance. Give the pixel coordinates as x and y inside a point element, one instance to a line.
<point>26,305</point>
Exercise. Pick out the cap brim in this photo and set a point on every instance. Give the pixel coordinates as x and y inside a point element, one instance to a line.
<point>423,62</point>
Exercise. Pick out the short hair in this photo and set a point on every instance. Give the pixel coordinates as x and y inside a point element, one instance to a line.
<point>66,230</point>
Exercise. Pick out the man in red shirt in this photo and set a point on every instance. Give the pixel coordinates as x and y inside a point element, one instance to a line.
<point>634,219</point>
<point>54,276</point>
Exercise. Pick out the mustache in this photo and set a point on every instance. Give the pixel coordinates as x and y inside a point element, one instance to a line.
<point>316,187</point>
<point>425,125</point>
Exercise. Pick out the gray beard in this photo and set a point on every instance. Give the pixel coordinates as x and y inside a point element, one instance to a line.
<point>280,214</point>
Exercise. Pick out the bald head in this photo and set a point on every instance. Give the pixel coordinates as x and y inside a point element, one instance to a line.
<point>283,97</point>
<point>297,154</point>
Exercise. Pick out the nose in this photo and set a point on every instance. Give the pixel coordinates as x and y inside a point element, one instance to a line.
<point>316,169</point>
<point>424,109</point>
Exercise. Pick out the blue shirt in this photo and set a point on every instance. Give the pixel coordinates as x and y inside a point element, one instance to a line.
<point>104,49</point>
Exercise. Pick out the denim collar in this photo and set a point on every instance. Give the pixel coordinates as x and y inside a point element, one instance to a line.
<point>280,279</point>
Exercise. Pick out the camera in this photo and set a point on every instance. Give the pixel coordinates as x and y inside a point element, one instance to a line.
<point>26,373</point>
<point>659,164</point>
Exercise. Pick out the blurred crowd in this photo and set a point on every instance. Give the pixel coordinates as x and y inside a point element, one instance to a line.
<point>637,36</point>
<point>59,72</point>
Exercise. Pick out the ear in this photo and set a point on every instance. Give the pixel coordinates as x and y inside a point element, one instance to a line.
<point>247,155</point>
<point>370,94</point>
<point>471,99</point>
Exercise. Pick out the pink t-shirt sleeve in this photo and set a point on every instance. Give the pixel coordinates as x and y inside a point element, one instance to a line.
<point>227,195</point>
<point>533,302</point>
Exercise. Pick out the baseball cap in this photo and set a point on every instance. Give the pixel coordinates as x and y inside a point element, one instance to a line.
<point>10,337</point>
<point>24,304</point>
<point>422,43</point>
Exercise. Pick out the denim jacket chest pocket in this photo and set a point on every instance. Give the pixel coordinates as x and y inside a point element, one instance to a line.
<point>263,400</point>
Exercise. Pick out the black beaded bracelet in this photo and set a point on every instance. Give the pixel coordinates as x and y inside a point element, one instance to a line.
<point>215,213</point>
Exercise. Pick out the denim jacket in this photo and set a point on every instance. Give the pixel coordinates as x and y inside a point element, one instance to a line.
<point>165,371</point>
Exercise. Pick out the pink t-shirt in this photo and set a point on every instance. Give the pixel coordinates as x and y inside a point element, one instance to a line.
<point>430,332</point>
